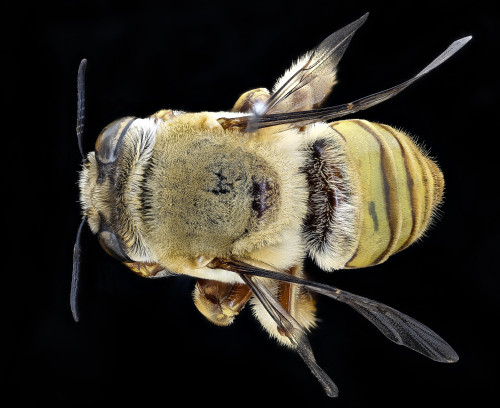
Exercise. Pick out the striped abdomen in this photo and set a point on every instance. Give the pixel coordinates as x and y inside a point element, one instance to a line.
<point>389,188</point>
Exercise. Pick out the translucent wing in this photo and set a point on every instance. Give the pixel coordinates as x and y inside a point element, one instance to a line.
<point>291,328</point>
<point>310,80</point>
<point>330,113</point>
<point>252,123</point>
<point>396,326</point>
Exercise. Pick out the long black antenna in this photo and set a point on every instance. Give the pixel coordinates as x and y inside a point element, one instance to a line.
<point>80,112</point>
<point>73,297</point>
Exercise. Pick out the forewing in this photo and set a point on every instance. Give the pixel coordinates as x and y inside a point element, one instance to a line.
<point>252,123</point>
<point>396,326</point>
<point>400,328</point>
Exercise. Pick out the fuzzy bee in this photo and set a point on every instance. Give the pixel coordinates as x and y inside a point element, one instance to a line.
<point>238,200</point>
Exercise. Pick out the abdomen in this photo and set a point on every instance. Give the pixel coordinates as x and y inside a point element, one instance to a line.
<point>378,194</point>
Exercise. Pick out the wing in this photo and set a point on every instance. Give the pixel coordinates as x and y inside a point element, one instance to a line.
<point>310,80</point>
<point>291,328</point>
<point>251,123</point>
<point>396,326</point>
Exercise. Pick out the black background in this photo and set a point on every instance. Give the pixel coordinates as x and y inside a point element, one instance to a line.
<point>143,342</point>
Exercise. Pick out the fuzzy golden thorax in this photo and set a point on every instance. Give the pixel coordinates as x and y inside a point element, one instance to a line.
<point>212,192</point>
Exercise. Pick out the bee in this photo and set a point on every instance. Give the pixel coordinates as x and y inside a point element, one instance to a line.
<point>238,199</point>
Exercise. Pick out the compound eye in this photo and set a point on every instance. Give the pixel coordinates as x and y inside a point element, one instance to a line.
<point>110,139</point>
<point>112,246</point>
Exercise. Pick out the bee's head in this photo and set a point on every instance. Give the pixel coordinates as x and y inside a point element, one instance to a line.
<point>111,186</point>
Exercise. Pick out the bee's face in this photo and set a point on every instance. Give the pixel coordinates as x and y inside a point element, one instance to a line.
<point>122,153</point>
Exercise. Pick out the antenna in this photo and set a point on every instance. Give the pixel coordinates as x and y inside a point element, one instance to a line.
<point>80,111</point>
<point>73,298</point>
<point>80,121</point>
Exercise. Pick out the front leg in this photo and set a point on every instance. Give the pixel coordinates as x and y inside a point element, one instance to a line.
<point>220,302</point>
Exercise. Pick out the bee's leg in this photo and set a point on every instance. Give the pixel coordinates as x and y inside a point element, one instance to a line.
<point>220,302</point>
<point>249,101</point>
<point>147,269</point>
<point>297,301</point>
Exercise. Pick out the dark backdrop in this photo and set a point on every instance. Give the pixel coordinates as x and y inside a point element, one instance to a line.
<point>143,342</point>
